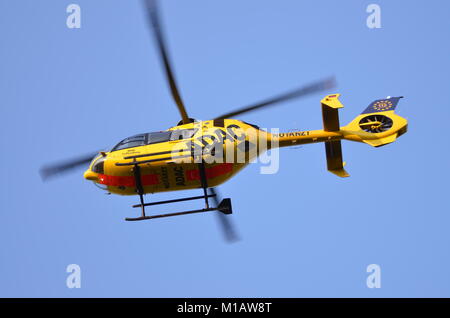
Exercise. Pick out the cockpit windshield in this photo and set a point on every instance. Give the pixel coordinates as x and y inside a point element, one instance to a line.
<point>153,138</point>
<point>133,141</point>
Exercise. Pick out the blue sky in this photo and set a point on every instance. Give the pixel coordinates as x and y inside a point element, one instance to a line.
<point>305,232</point>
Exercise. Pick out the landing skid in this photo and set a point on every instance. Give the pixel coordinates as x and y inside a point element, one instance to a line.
<point>224,206</point>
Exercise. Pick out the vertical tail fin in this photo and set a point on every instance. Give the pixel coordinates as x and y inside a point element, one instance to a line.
<point>377,125</point>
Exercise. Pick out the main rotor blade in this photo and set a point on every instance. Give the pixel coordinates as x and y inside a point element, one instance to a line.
<point>227,226</point>
<point>54,170</point>
<point>155,25</point>
<point>300,92</point>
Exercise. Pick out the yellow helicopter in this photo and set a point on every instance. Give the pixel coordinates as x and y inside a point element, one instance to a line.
<point>204,154</point>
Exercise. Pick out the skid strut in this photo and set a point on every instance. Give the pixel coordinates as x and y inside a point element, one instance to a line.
<point>204,182</point>
<point>139,187</point>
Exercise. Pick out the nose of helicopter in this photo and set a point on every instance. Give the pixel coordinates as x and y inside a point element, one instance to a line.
<point>96,167</point>
<point>90,175</point>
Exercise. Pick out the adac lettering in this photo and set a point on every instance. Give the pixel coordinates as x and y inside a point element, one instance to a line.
<point>207,143</point>
<point>179,176</point>
<point>165,177</point>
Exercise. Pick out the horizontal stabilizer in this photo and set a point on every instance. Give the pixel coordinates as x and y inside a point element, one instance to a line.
<point>330,116</point>
<point>334,158</point>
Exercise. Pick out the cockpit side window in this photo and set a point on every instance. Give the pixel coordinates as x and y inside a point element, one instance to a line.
<point>183,134</point>
<point>160,136</point>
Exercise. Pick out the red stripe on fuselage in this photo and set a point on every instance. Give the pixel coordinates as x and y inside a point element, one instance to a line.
<point>127,181</point>
<point>212,172</point>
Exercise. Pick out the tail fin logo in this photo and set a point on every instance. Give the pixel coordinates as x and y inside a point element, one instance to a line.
<point>382,105</point>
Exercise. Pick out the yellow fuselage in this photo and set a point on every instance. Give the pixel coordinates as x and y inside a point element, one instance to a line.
<point>174,165</point>
<point>225,146</point>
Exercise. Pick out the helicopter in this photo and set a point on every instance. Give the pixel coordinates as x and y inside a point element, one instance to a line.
<point>204,154</point>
